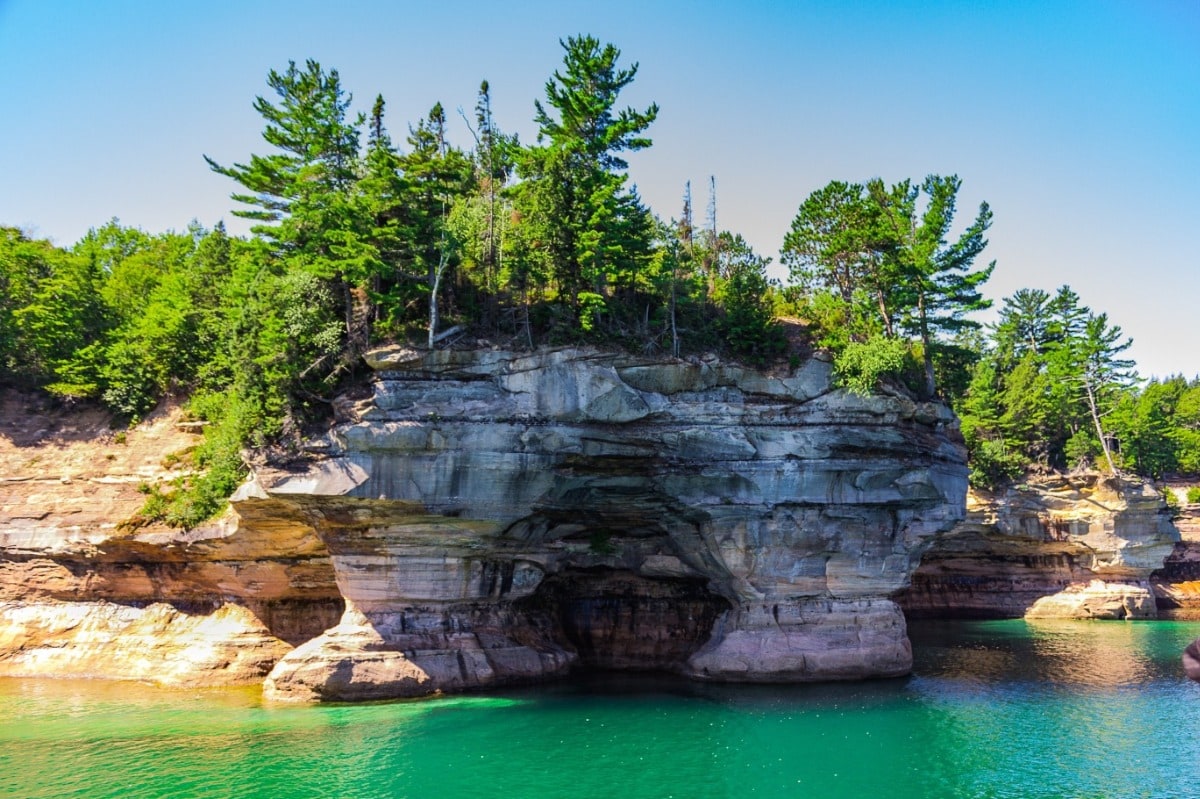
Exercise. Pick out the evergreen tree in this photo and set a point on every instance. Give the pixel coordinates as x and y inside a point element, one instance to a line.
<point>747,318</point>
<point>1052,374</point>
<point>869,260</point>
<point>836,250</point>
<point>61,327</point>
<point>1144,425</point>
<point>1024,323</point>
<point>437,174</point>
<point>481,216</point>
<point>588,227</point>
<point>1103,372</point>
<point>384,193</point>
<point>24,265</point>
<point>1185,430</point>
<point>936,285</point>
<point>494,165</point>
<point>317,147</point>
<point>301,194</point>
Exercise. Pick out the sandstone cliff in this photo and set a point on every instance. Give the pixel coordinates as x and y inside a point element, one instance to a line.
<point>490,517</point>
<point>1059,547</point>
<point>1177,583</point>
<point>495,516</point>
<point>82,594</point>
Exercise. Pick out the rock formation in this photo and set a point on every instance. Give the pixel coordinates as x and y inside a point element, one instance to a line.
<point>1191,660</point>
<point>1177,583</point>
<point>157,642</point>
<point>490,517</point>
<point>82,594</point>
<point>495,516</point>
<point>1060,547</point>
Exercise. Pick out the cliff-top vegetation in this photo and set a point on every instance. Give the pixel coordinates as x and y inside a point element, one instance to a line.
<point>359,240</point>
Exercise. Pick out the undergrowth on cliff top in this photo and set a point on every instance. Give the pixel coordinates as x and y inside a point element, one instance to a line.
<point>217,469</point>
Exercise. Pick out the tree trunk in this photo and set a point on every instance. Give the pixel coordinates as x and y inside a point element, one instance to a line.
<point>674,330</point>
<point>930,386</point>
<point>1091,398</point>
<point>433,311</point>
<point>348,304</point>
<point>528,321</point>
<point>433,297</point>
<point>887,319</point>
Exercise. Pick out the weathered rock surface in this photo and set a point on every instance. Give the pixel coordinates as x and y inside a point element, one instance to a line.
<point>226,645</point>
<point>1191,660</point>
<point>1177,583</point>
<point>493,517</point>
<point>85,593</point>
<point>1096,600</point>
<point>496,516</point>
<point>1061,547</point>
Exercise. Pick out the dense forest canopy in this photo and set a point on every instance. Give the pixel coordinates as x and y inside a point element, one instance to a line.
<point>360,240</point>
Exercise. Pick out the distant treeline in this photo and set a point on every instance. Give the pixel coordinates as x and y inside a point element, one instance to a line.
<point>359,241</point>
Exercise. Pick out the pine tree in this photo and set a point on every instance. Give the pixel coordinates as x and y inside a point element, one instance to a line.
<point>937,287</point>
<point>1024,324</point>
<point>302,194</point>
<point>384,194</point>
<point>838,245</point>
<point>291,190</point>
<point>436,174</point>
<point>1102,372</point>
<point>589,228</point>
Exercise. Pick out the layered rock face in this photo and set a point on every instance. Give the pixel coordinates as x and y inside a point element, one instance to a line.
<point>495,516</point>
<point>1061,547</point>
<point>158,643</point>
<point>1177,583</point>
<point>85,594</point>
<point>492,517</point>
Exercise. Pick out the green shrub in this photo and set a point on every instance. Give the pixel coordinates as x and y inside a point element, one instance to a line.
<point>860,367</point>
<point>218,460</point>
<point>591,305</point>
<point>1081,450</point>
<point>1193,495</point>
<point>993,465</point>
<point>1172,503</point>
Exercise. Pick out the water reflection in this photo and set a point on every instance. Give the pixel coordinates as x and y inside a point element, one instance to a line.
<point>994,709</point>
<point>1099,654</point>
<point>1059,708</point>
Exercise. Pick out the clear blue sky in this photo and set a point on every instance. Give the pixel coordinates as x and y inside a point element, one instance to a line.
<point>1079,122</point>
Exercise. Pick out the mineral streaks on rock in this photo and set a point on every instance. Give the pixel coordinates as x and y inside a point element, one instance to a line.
<point>807,639</point>
<point>1096,600</point>
<point>1079,546</point>
<point>1177,582</point>
<point>498,516</point>
<point>159,643</point>
<point>87,589</point>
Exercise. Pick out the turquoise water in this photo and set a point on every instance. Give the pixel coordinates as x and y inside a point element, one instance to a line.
<point>994,709</point>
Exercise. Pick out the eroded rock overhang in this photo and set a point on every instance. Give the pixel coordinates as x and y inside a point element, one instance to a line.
<point>496,516</point>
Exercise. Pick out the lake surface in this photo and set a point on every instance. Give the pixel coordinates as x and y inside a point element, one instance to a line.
<point>994,709</point>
